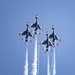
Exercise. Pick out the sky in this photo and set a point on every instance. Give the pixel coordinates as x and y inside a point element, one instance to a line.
<point>14,14</point>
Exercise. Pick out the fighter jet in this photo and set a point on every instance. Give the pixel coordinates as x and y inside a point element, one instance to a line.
<point>54,37</point>
<point>26,34</point>
<point>36,26</point>
<point>47,43</point>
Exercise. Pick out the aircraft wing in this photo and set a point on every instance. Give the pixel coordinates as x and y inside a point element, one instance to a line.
<point>23,33</point>
<point>56,37</point>
<point>39,27</point>
<point>51,36</point>
<point>33,25</point>
<point>30,34</point>
<point>44,42</point>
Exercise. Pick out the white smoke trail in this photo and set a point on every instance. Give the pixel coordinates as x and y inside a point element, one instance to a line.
<point>54,63</point>
<point>34,65</point>
<point>38,59</point>
<point>26,63</point>
<point>48,66</point>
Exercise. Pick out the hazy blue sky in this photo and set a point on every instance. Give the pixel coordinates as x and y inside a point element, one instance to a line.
<point>13,17</point>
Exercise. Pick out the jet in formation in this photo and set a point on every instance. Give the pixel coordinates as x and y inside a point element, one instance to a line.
<point>36,26</point>
<point>27,34</point>
<point>54,38</point>
<point>47,43</point>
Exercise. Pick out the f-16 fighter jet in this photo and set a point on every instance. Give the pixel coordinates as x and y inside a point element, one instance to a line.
<point>36,26</point>
<point>27,34</point>
<point>54,37</point>
<point>47,43</point>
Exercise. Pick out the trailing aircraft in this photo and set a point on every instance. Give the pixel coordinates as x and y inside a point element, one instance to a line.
<point>47,43</point>
<point>54,38</point>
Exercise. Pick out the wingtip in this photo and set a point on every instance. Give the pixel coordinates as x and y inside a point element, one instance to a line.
<point>59,39</point>
<point>19,33</point>
<point>42,29</point>
<point>40,43</point>
<point>30,40</point>
<point>33,36</point>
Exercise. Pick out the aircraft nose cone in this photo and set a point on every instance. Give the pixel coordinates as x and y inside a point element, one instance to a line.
<point>36,16</point>
<point>47,33</point>
<point>27,24</point>
<point>52,26</point>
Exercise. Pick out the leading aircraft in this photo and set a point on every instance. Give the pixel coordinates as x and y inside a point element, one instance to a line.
<point>47,43</point>
<point>36,26</point>
<point>26,34</point>
<point>54,37</point>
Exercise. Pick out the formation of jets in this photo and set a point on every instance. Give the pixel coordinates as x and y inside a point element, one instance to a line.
<point>48,43</point>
